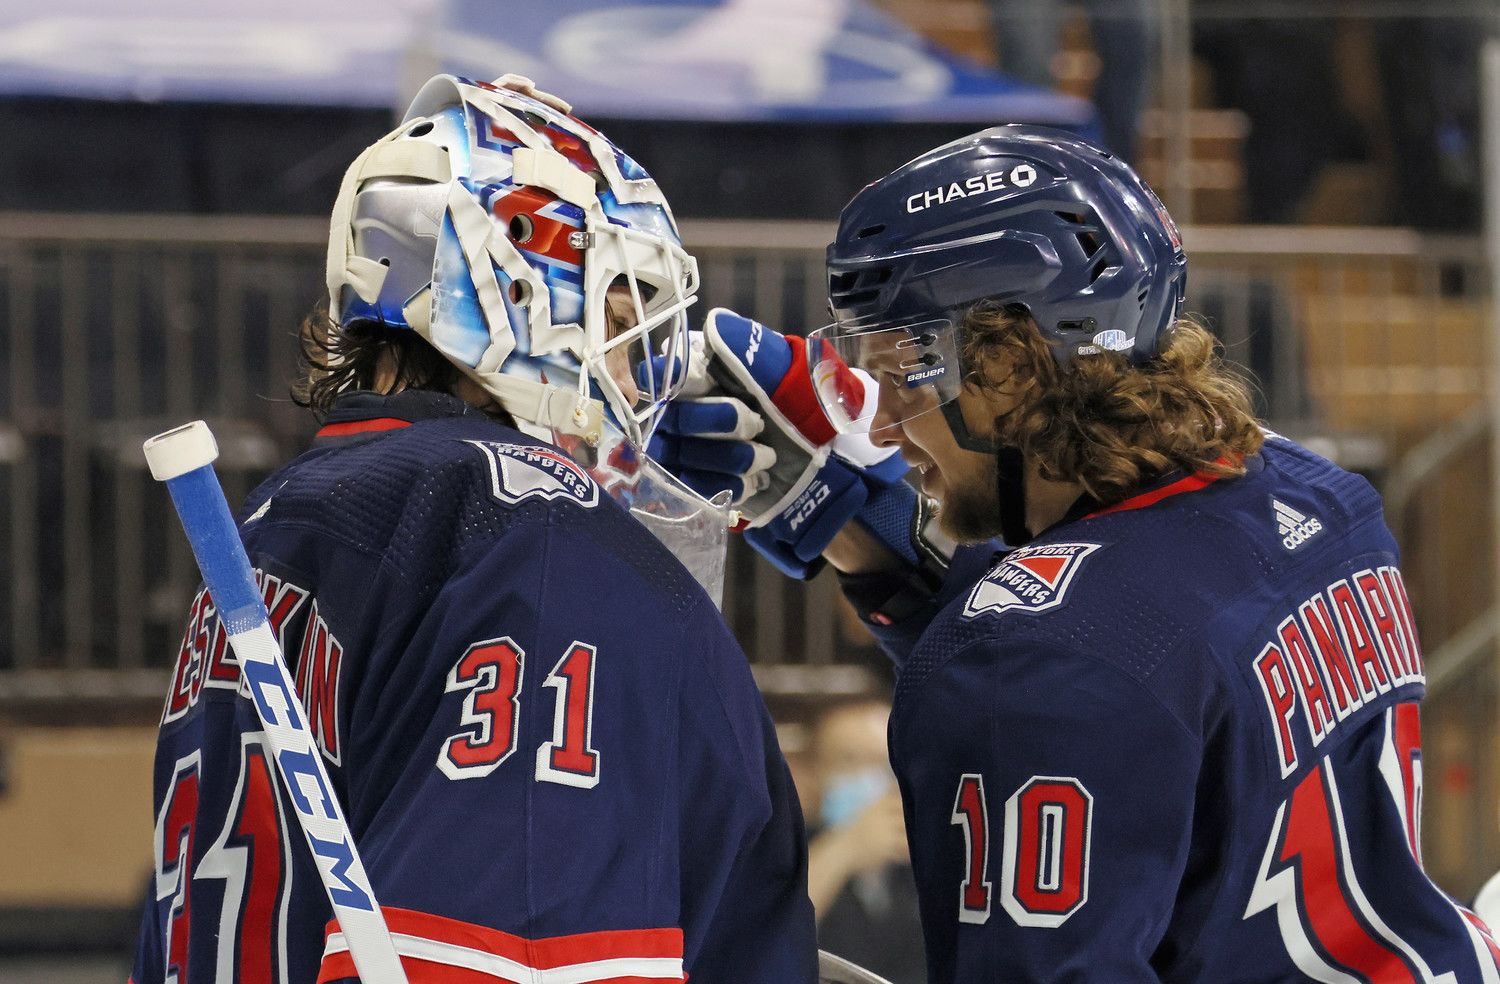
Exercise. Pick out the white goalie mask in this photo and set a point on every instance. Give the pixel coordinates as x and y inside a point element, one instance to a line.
<point>494,225</point>
<point>497,227</point>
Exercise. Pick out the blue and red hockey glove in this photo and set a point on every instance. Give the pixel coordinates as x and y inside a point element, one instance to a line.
<point>748,422</point>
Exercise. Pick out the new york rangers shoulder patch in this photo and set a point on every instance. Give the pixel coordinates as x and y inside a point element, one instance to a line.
<point>1031,579</point>
<point>522,471</point>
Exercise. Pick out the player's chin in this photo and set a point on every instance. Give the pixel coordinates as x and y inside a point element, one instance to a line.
<point>966,514</point>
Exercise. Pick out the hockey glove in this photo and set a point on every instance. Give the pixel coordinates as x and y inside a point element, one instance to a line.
<point>798,481</point>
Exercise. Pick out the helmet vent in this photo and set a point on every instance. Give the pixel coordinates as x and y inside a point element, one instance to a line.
<point>521,228</point>
<point>1088,235</point>
<point>869,231</point>
<point>1140,297</point>
<point>858,286</point>
<point>1098,271</point>
<point>421,129</point>
<point>520,292</point>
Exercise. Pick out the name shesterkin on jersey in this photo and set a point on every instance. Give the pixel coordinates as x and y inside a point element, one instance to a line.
<point>1343,647</point>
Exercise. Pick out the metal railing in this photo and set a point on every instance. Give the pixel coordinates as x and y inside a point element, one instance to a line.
<point>113,327</point>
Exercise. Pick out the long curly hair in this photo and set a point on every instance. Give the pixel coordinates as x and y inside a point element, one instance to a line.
<point>334,360</point>
<point>1103,423</point>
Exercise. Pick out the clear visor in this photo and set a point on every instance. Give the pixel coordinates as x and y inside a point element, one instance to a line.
<point>914,368</point>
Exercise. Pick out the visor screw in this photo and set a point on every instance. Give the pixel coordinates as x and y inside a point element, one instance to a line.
<point>581,240</point>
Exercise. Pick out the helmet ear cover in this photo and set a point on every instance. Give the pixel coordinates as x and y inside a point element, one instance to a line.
<point>493,224</point>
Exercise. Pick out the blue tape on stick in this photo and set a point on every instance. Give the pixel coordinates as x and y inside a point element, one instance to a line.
<point>216,543</point>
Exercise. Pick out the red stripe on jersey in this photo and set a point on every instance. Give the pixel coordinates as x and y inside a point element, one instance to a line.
<point>541,954</point>
<point>1192,483</point>
<point>362,427</point>
<point>339,966</point>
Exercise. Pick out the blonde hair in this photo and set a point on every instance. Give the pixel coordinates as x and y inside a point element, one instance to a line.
<point>1106,424</point>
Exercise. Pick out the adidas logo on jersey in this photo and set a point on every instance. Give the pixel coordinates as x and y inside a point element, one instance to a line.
<point>1295,528</point>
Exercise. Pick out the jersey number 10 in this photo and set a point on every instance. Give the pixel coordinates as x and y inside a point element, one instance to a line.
<point>491,673</point>
<point>1045,861</point>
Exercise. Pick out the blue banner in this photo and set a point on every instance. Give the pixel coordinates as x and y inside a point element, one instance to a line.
<point>738,60</point>
<point>813,60</point>
<point>323,52</point>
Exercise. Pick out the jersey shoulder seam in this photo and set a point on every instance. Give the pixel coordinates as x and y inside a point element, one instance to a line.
<point>1056,650</point>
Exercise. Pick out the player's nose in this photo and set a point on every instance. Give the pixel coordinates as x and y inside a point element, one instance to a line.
<point>618,364</point>
<point>885,426</point>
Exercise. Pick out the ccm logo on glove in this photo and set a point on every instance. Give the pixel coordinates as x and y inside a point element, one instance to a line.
<point>807,503</point>
<point>754,346</point>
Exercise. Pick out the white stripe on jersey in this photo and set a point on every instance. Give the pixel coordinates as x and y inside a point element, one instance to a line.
<point>1357,893</point>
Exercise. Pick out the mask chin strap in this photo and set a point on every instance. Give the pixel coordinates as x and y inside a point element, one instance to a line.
<point>1010,476</point>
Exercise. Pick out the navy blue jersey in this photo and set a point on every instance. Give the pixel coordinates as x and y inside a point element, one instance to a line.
<point>1177,740</point>
<point>549,749</point>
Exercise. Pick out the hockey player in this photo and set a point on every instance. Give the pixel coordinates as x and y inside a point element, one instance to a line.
<point>1170,733</point>
<point>549,748</point>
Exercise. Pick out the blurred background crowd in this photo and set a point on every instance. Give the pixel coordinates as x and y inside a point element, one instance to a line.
<point>165,176</point>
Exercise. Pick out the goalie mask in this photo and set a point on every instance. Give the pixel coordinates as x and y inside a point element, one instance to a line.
<point>497,227</point>
<point>493,225</point>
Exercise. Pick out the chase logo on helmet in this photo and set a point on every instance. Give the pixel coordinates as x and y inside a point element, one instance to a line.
<point>519,472</point>
<point>1031,579</point>
<point>1020,176</point>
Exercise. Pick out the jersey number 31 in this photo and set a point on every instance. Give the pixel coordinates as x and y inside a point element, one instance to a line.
<point>491,673</point>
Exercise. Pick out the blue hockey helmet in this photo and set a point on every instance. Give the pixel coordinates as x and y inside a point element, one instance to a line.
<point>1014,214</point>
<point>1020,215</point>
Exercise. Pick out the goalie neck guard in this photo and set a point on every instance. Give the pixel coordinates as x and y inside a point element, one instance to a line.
<point>493,225</point>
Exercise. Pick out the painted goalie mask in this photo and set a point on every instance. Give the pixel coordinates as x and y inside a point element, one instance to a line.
<point>493,224</point>
<point>502,230</point>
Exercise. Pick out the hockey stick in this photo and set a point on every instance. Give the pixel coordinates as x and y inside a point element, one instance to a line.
<point>183,459</point>
<point>833,969</point>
